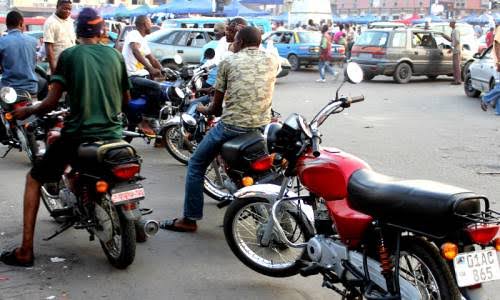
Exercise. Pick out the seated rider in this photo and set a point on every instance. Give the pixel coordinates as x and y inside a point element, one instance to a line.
<point>245,83</point>
<point>95,79</point>
<point>18,61</point>
<point>143,67</point>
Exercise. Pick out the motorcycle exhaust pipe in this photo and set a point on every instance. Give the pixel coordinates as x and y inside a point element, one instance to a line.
<point>148,227</point>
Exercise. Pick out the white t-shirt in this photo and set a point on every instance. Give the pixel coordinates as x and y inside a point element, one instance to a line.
<point>134,67</point>
<point>222,51</point>
<point>59,32</point>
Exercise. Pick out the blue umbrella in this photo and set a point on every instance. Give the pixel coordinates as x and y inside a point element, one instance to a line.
<point>142,10</point>
<point>122,12</point>
<point>432,18</point>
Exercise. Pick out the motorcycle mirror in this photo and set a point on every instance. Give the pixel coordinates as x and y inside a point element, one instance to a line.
<point>8,95</point>
<point>178,59</point>
<point>353,73</point>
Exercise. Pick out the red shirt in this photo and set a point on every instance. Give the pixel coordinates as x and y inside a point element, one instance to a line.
<point>326,52</point>
<point>489,38</point>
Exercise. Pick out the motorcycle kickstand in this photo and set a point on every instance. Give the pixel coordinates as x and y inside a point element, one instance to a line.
<point>7,152</point>
<point>61,229</point>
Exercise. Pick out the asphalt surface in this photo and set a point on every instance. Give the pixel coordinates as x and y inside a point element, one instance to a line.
<point>422,130</point>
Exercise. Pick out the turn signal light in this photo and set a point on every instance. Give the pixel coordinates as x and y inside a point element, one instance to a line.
<point>497,244</point>
<point>449,251</point>
<point>9,117</point>
<point>482,234</point>
<point>127,171</point>
<point>263,164</point>
<point>247,181</point>
<point>101,186</point>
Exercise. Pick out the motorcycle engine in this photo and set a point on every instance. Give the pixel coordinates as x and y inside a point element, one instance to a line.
<point>68,199</point>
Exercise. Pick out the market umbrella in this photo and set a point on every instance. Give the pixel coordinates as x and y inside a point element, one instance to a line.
<point>121,12</point>
<point>238,9</point>
<point>142,10</point>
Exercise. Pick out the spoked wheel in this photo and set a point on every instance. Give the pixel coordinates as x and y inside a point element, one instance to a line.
<point>175,143</point>
<point>244,226</point>
<point>120,249</point>
<point>213,185</point>
<point>422,266</point>
<point>24,140</point>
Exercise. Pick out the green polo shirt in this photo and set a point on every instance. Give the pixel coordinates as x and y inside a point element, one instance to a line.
<point>95,78</point>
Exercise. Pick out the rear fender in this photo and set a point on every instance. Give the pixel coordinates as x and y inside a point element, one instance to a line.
<point>171,122</point>
<point>270,192</point>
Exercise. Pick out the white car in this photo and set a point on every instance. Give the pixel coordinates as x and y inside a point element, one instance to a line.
<point>480,75</point>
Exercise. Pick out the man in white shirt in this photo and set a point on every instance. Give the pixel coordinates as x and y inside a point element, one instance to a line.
<point>142,68</point>
<point>58,32</point>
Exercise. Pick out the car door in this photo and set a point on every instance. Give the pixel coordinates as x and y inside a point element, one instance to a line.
<point>285,43</point>
<point>486,70</point>
<point>444,46</point>
<point>419,54</point>
<point>194,44</point>
<point>164,46</point>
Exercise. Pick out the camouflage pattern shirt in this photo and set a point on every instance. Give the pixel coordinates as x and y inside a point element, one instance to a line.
<point>247,78</point>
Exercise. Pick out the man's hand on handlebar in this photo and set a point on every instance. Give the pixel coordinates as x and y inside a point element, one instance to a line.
<point>153,72</point>
<point>22,113</point>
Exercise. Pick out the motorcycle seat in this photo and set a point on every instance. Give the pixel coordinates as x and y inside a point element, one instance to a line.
<point>415,203</point>
<point>111,151</point>
<point>244,148</point>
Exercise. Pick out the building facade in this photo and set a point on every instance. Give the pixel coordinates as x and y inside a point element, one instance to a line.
<point>395,9</point>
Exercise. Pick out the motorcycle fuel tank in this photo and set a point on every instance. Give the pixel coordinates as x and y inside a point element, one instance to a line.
<point>328,175</point>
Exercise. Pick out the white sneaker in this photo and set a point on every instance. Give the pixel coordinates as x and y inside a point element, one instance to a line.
<point>321,80</point>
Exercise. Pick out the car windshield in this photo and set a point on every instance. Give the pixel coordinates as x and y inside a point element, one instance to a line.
<point>373,38</point>
<point>153,37</point>
<point>309,37</point>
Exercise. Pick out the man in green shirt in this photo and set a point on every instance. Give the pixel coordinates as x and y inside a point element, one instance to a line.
<point>95,79</point>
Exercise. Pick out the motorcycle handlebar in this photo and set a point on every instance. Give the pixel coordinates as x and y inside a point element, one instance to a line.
<point>356,99</point>
<point>315,144</point>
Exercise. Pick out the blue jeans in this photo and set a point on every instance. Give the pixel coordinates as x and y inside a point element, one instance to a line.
<point>325,65</point>
<point>493,96</point>
<point>191,110</point>
<point>198,164</point>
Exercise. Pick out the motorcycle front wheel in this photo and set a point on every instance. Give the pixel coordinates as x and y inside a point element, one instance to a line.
<point>422,266</point>
<point>175,144</point>
<point>120,250</point>
<point>244,225</point>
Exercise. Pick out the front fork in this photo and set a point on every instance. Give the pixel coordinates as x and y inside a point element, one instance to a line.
<point>276,214</point>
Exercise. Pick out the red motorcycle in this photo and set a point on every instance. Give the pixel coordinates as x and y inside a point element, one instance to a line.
<point>371,236</point>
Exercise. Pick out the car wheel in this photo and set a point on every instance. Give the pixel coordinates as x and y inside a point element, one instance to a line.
<point>492,83</point>
<point>469,90</point>
<point>432,77</point>
<point>465,70</point>
<point>294,62</point>
<point>403,73</point>
<point>368,77</point>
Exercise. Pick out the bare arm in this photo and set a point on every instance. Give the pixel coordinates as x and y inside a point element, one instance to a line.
<point>47,105</point>
<point>138,55</point>
<point>215,107</point>
<point>51,58</point>
<point>154,62</point>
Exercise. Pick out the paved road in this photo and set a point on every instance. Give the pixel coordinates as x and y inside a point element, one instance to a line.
<point>420,130</point>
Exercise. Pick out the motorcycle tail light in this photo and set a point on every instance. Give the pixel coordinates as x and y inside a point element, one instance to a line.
<point>482,234</point>
<point>262,164</point>
<point>101,186</point>
<point>127,171</point>
<point>449,251</point>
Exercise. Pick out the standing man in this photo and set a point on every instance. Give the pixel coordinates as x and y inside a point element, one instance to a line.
<point>58,33</point>
<point>493,96</point>
<point>456,48</point>
<point>247,108</point>
<point>325,55</point>
<point>95,79</point>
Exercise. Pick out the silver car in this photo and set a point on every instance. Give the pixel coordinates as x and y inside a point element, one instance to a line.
<point>188,43</point>
<point>480,75</point>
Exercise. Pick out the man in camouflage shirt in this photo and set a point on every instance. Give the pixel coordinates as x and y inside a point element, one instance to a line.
<point>245,82</point>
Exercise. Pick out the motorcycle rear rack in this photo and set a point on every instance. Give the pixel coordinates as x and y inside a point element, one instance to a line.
<point>485,217</point>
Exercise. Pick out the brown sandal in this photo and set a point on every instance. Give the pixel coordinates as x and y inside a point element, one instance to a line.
<point>178,225</point>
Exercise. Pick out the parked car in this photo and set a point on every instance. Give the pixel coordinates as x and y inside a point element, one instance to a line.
<point>209,22</point>
<point>188,43</point>
<point>470,44</point>
<point>481,74</point>
<point>285,66</point>
<point>403,53</point>
<point>121,37</point>
<point>301,47</point>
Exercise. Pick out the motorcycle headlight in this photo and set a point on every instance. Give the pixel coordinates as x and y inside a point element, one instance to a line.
<point>175,95</point>
<point>8,95</point>
<point>198,84</point>
<point>188,122</point>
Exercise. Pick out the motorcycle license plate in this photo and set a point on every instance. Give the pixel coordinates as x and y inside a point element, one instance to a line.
<point>476,267</point>
<point>128,195</point>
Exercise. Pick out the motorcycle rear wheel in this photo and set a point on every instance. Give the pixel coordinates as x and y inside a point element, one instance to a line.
<point>422,266</point>
<point>172,136</point>
<point>212,185</point>
<point>265,260</point>
<point>120,250</point>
